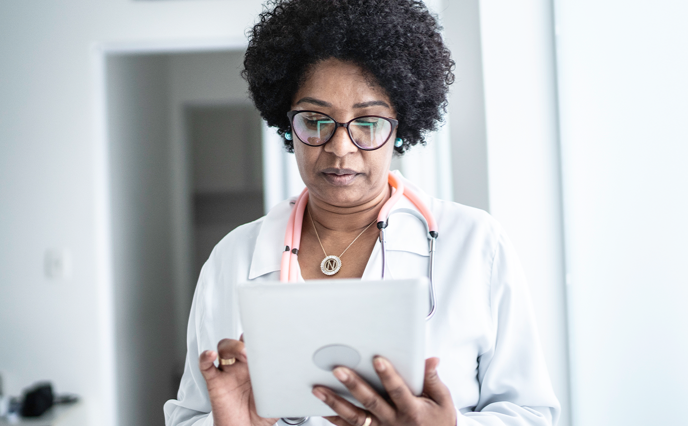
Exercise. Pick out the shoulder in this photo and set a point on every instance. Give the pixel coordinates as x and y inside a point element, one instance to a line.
<point>256,242</point>
<point>241,238</point>
<point>229,260</point>
<point>457,220</point>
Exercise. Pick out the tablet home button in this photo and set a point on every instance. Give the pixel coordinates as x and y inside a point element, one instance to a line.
<point>331,356</point>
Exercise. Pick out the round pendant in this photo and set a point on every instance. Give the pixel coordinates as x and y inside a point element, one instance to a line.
<point>330,265</point>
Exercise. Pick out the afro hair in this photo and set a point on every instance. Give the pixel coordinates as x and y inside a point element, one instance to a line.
<point>397,42</point>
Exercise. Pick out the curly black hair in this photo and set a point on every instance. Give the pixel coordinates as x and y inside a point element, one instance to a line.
<point>398,42</point>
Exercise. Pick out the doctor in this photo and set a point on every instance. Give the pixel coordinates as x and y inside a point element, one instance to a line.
<point>379,68</point>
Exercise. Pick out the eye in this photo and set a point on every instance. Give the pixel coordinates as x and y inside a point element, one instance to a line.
<point>319,121</point>
<point>367,121</point>
<point>315,121</point>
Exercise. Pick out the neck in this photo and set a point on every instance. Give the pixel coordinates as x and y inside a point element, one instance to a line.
<point>350,218</point>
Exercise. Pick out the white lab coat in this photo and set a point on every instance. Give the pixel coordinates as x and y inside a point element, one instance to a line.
<point>483,331</point>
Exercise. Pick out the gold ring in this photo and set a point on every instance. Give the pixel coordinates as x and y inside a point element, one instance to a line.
<point>229,361</point>
<point>368,420</point>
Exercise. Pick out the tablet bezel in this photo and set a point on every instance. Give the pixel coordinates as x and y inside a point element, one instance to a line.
<point>375,317</point>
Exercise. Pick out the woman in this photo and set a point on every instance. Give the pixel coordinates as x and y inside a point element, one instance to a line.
<point>311,63</point>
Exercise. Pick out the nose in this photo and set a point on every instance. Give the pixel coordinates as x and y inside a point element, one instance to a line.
<point>340,144</point>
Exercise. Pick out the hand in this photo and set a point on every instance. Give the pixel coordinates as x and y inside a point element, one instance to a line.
<point>229,386</point>
<point>433,408</point>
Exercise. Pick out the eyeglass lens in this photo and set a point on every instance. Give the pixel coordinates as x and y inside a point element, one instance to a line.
<point>315,129</point>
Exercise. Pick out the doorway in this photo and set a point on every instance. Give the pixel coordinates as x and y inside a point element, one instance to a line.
<point>226,172</point>
<point>184,154</point>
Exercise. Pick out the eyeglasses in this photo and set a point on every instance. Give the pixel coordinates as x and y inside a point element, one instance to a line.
<point>368,132</point>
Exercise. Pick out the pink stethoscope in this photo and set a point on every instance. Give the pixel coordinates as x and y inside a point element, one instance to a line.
<point>292,237</point>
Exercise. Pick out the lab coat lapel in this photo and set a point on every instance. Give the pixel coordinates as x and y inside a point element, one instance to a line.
<point>267,254</point>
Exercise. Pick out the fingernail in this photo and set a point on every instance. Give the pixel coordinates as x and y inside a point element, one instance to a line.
<point>341,374</point>
<point>318,394</point>
<point>380,363</point>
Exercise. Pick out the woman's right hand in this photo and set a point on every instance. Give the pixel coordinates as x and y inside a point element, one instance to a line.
<point>229,386</point>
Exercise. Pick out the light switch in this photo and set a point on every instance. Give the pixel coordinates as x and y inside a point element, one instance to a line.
<point>57,264</point>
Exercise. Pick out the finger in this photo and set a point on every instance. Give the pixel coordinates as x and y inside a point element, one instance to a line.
<point>241,338</point>
<point>365,394</point>
<point>345,410</point>
<point>433,386</point>
<point>230,348</point>
<point>396,388</point>
<point>336,420</point>
<point>206,364</point>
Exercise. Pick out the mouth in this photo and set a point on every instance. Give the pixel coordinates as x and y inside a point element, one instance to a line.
<point>339,177</point>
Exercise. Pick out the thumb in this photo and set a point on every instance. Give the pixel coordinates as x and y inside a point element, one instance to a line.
<point>206,365</point>
<point>433,387</point>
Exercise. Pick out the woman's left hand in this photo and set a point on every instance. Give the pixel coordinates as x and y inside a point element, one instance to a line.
<point>433,408</point>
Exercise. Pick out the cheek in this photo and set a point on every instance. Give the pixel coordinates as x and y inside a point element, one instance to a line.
<point>378,165</point>
<point>382,159</point>
<point>305,160</point>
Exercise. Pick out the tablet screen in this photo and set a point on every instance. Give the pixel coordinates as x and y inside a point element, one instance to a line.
<point>296,333</point>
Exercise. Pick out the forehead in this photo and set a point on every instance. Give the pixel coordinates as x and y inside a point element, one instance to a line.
<point>340,83</point>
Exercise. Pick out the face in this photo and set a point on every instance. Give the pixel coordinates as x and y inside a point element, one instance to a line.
<point>338,172</point>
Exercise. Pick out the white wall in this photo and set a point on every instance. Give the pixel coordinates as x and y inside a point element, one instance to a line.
<point>461,21</point>
<point>523,152</point>
<point>49,144</point>
<point>624,108</point>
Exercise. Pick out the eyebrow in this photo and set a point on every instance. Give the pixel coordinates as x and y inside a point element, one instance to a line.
<point>314,101</point>
<point>327,104</point>
<point>371,103</point>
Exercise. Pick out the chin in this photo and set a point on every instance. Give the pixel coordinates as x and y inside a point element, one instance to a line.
<point>345,200</point>
<point>341,196</point>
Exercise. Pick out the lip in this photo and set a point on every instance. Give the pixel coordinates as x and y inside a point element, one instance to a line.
<point>339,177</point>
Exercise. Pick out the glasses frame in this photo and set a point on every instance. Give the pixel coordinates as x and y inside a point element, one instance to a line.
<point>337,124</point>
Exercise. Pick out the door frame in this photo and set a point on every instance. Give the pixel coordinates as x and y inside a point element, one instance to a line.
<point>100,52</point>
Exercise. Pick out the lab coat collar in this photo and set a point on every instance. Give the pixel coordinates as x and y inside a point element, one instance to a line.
<point>267,255</point>
<point>404,233</point>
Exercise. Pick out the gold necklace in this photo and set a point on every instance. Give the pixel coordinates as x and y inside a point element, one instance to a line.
<point>331,264</point>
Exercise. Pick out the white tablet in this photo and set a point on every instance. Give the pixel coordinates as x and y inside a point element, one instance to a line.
<point>296,333</point>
